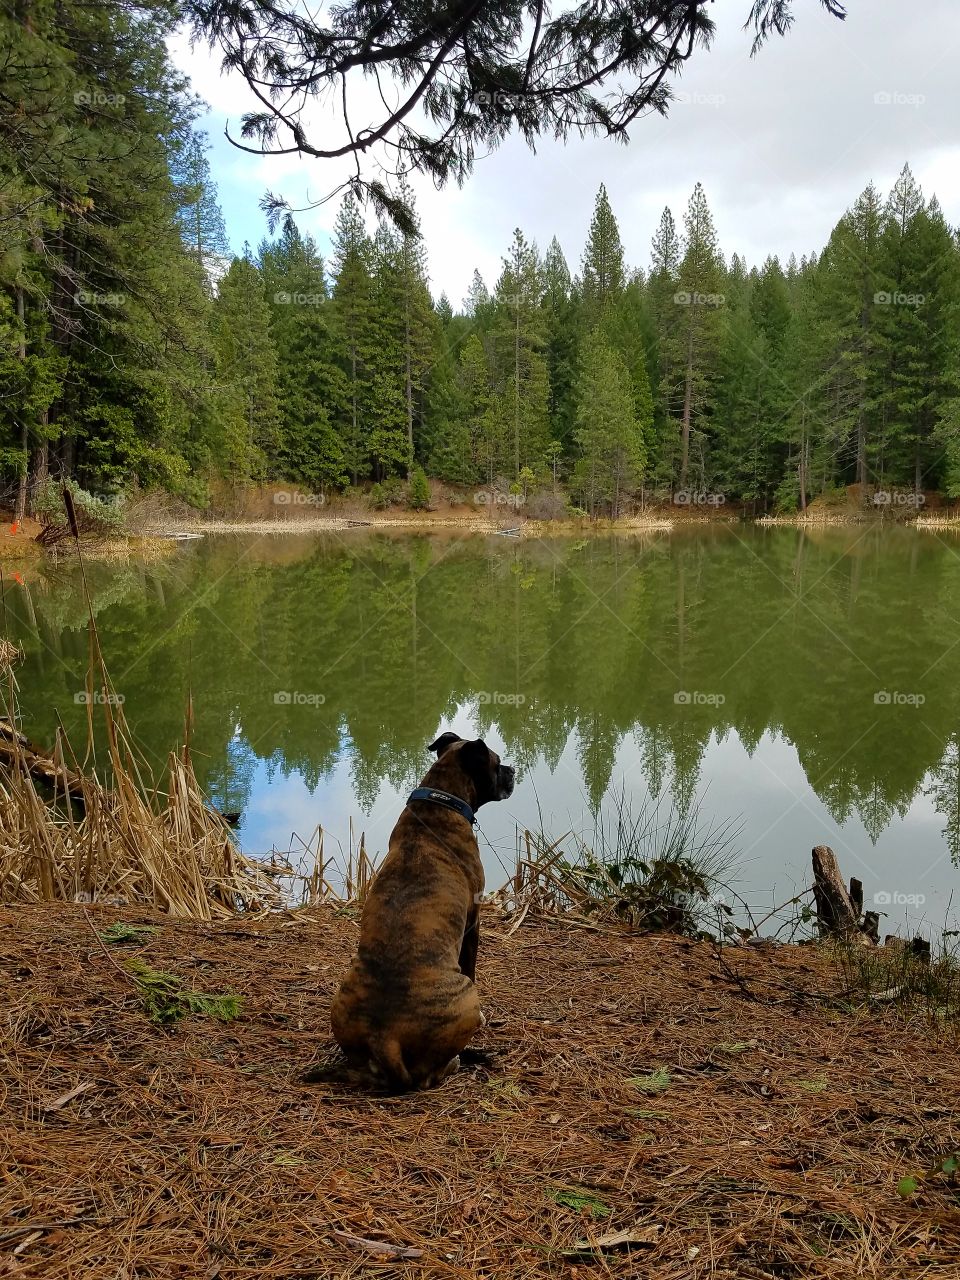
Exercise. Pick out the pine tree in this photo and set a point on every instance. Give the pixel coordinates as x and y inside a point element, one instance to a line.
<point>246,375</point>
<point>560,350</point>
<point>667,371</point>
<point>421,332</point>
<point>354,333</point>
<point>311,385</point>
<point>519,346</point>
<point>603,276</point>
<point>699,295</point>
<point>199,214</point>
<point>607,433</point>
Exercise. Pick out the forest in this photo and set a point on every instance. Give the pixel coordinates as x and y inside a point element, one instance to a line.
<point>137,352</point>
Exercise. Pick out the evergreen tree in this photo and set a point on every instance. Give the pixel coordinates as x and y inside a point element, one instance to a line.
<point>699,295</point>
<point>607,433</point>
<point>311,385</point>
<point>603,274</point>
<point>246,368</point>
<point>521,364</point>
<point>199,214</point>
<point>354,332</point>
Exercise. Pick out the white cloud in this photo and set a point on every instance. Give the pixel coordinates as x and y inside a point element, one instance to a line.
<point>783,143</point>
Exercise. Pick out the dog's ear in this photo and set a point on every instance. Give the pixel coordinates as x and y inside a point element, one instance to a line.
<point>444,743</point>
<point>475,757</point>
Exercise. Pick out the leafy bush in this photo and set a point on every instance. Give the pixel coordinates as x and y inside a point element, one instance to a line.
<point>419,496</point>
<point>95,518</point>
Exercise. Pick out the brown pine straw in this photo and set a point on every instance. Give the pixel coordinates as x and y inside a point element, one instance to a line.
<point>774,1150</point>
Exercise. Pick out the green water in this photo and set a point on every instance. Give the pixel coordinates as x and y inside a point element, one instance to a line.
<point>805,682</point>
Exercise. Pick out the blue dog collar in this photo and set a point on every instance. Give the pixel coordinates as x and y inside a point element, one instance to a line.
<point>446,799</point>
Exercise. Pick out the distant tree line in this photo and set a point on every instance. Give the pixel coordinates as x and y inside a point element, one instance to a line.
<point>133,351</point>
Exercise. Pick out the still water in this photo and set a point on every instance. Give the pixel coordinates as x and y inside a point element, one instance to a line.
<point>802,682</point>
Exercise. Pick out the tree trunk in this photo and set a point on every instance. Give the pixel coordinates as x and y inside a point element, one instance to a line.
<point>838,909</point>
<point>21,504</point>
<point>516,398</point>
<point>409,383</point>
<point>687,408</point>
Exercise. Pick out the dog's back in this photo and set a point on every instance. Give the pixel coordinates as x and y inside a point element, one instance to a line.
<point>408,1004</point>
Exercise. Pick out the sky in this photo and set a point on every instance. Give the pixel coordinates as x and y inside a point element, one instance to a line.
<point>783,143</point>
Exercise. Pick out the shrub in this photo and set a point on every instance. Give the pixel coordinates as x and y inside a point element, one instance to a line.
<point>419,497</point>
<point>95,517</point>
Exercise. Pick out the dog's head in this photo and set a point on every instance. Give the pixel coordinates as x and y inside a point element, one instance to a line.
<point>471,766</point>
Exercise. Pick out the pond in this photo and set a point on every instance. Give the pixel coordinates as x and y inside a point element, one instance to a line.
<point>800,682</point>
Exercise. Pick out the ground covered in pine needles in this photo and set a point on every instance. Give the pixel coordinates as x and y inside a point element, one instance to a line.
<point>645,1109</point>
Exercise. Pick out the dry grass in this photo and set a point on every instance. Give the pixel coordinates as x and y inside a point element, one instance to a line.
<point>126,842</point>
<point>725,1112</point>
<point>10,653</point>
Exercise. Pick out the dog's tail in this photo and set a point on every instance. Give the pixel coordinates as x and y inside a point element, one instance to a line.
<point>386,1063</point>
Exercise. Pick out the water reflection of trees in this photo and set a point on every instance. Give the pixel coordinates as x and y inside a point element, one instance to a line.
<point>795,631</point>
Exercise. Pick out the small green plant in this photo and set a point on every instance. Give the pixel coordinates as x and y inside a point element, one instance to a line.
<point>419,496</point>
<point>120,932</point>
<point>947,1168</point>
<point>166,1000</point>
<point>656,1082</point>
<point>581,1199</point>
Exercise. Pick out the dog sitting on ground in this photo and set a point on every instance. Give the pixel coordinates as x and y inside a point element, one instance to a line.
<point>408,1004</point>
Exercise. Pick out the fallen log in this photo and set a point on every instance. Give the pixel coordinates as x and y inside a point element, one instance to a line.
<point>18,752</point>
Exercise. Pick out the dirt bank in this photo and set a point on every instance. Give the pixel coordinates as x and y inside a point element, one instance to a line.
<point>731,1117</point>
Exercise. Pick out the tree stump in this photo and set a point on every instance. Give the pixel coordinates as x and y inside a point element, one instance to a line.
<point>838,908</point>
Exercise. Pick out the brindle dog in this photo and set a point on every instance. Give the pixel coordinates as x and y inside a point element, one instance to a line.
<point>409,1005</point>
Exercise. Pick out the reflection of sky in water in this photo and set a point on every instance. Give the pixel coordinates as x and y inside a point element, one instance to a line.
<point>780,816</point>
